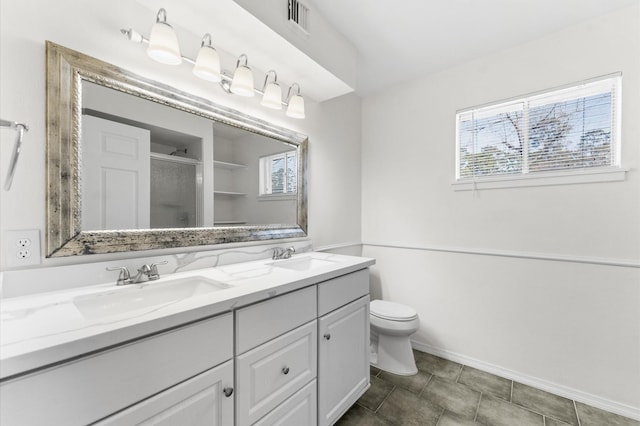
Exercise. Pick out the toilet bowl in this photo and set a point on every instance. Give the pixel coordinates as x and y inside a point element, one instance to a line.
<point>391,325</point>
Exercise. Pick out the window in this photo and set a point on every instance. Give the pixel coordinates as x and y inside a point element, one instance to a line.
<point>279,174</point>
<point>558,133</point>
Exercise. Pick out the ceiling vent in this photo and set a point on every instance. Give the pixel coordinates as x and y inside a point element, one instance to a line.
<point>298,15</point>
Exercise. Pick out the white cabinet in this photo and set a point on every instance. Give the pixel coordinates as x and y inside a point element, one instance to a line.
<point>276,357</point>
<point>93,387</point>
<point>343,345</point>
<point>269,374</point>
<point>299,410</point>
<point>205,400</point>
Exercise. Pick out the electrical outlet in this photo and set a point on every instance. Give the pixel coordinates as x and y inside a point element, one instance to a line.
<point>22,248</point>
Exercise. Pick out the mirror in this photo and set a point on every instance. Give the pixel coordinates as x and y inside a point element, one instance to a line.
<point>133,164</point>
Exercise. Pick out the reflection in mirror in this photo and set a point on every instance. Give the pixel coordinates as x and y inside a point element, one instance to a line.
<point>133,164</point>
<point>147,165</point>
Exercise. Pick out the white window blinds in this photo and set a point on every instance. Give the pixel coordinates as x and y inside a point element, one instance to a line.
<point>568,129</point>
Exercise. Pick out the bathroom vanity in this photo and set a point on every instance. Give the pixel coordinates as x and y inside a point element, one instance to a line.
<point>265,342</point>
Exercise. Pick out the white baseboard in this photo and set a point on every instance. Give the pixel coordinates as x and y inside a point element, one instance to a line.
<point>567,392</point>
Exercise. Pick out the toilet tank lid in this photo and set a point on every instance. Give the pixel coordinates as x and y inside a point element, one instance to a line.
<point>391,310</point>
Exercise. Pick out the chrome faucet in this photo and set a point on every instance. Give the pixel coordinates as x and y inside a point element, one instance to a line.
<point>148,271</point>
<point>281,253</point>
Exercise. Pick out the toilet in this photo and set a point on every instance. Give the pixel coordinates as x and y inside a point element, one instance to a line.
<point>391,325</point>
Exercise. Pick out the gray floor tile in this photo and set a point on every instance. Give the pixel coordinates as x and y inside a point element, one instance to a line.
<point>548,421</point>
<point>544,403</point>
<point>407,409</point>
<point>497,412</point>
<point>437,366</point>
<point>374,396</point>
<point>486,382</point>
<point>360,416</point>
<point>374,371</point>
<point>414,383</point>
<point>454,397</point>
<point>450,419</point>
<point>591,416</point>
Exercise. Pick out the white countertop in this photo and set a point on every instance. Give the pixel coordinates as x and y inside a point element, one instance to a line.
<point>43,329</point>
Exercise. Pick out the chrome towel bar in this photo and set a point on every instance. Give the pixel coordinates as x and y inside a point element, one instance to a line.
<point>20,129</point>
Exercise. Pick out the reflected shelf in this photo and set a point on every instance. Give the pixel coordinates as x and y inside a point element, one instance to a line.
<point>226,165</point>
<point>230,193</point>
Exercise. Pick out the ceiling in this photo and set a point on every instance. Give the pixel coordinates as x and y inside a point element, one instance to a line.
<point>402,40</point>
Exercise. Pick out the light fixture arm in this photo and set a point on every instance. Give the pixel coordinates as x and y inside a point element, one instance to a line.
<point>266,78</point>
<point>246,61</point>
<point>161,16</point>
<point>291,87</point>
<point>206,41</point>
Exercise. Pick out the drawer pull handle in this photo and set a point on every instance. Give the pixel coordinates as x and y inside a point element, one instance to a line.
<point>327,336</point>
<point>285,370</point>
<point>227,392</point>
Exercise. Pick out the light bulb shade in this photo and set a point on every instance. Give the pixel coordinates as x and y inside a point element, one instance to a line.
<point>242,83</point>
<point>272,97</point>
<point>207,65</point>
<point>163,44</point>
<point>296,107</point>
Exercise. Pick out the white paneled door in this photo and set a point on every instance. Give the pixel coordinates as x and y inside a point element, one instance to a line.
<point>115,175</point>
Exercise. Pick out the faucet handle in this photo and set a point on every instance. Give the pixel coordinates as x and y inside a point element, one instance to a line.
<point>124,277</point>
<point>153,270</point>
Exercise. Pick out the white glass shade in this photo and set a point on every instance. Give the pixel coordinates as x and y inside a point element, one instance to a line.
<point>242,83</point>
<point>163,44</point>
<point>296,107</point>
<point>207,65</point>
<point>272,97</point>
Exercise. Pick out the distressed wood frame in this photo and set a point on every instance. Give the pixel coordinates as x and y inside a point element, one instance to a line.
<point>66,69</point>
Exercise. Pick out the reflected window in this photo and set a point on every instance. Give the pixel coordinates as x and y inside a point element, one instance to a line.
<point>279,174</point>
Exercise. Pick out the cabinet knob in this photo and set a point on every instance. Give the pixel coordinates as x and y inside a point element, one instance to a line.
<point>327,336</point>
<point>227,392</point>
<point>285,370</point>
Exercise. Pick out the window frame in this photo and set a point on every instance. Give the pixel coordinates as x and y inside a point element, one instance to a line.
<point>265,190</point>
<point>613,172</point>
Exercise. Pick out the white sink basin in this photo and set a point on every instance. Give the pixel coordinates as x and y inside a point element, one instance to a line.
<point>144,296</point>
<point>303,263</point>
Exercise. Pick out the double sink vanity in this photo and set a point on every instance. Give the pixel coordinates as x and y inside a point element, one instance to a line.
<point>264,342</point>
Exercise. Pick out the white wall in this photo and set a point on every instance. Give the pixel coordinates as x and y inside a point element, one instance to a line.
<point>92,27</point>
<point>539,283</point>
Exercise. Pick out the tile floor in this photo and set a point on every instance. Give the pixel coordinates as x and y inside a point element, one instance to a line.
<point>445,393</point>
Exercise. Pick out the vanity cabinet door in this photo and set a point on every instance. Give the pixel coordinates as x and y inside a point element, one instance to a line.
<point>343,359</point>
<point>205,400</point>
<point>269,374</point>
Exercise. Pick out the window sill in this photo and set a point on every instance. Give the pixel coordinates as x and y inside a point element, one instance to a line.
<point>276,197</point>
<point>543,179</point>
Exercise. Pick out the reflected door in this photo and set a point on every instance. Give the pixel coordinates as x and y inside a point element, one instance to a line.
<point>115,175</point>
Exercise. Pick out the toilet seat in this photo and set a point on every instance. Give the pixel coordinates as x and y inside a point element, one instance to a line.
<point>391,311</point>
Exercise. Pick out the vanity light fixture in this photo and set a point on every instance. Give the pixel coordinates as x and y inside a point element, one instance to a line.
<point>296,103</point>
<point>242,83</point>
<point>207,64</point>
<point>272,97</point>
<point>163,42</point>
<point>163,47</point>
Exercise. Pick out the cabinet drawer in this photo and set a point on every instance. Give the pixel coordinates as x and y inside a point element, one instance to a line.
<point>263,321</point>
<point>91,388</point>
<point>271,373</point>
<point>200,401</point>
<point>299,410</point>
<point>339,291</point>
